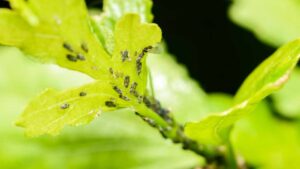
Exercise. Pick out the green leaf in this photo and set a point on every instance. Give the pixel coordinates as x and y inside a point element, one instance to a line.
<point>286,101</point>
<point>270,76</point>
<point>59,35</point>
<point>104,22</point>
<point>267,142</point>
<point>274,22</point>
<point>51,111</point>
<point>133,38</point>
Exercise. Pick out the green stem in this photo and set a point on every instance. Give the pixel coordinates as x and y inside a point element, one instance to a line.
<point>231,158</point>
<point>155,115</point>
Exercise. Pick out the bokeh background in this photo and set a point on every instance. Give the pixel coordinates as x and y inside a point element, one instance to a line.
<point>219,41</point>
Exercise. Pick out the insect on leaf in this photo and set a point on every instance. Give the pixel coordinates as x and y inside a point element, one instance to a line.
<point>270,76</point>
<point>52,110</point>
<point>48,32</point>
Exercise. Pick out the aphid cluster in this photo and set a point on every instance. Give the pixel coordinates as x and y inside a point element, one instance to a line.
<point>135,93</point>
<point>75,56</point>
<point>157,108</point>
<point>139,59</point>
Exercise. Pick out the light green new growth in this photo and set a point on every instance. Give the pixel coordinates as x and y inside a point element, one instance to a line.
<point>270,76</point>
<point>104,22</point>
<point>66,38</point>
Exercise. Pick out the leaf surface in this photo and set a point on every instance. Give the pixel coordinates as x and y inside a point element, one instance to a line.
<point>52,110</point>
<point>58,36</point>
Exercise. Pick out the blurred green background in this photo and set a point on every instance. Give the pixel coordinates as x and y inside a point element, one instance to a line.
<point>269,138</point>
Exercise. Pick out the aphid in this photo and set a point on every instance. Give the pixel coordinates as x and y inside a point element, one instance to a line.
<point>140,98</point>
<point>147,102</point>
<point>118,90</point>
<point>71,58</point>
<point>80,57</point>
<point>111,71</point>
<point>84,47</point>
<point>133,87</point>
<point>110,104</point>
<point>81,94</point>
<point>124,97</point>
<point>140,57</point>
<point>147,49</point>
<point>124,55</point>
<point>65,106</point>
<point>139,67</point>
<point>68,47</point>
<point>126,81</point>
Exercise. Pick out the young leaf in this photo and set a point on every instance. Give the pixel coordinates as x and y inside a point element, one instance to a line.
<point>274,22</point>
<point>52,110</point>
<point>133,40</point>
<point>58,36</point>
<point>270,76</point>
<point>104,22</point>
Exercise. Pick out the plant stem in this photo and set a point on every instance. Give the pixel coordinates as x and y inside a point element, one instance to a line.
<point>171,129</point>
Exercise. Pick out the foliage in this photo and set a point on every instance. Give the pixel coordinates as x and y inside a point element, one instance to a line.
<point>128,70</point>
<point>270,76</point>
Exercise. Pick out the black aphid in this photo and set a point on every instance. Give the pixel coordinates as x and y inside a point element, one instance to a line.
<point>117,90</point>
<point>124,55</point>
<point>147,102</point>
<point>133,87</point>
<point>71,58</point>
<point>126,81</point>
<point>140,98</point>
<point>84,47</point>
<point>111,71</point>
<point>81,94</point>
<point>68,47</point>
<point>124,97</point>
<point>65,106</point>
<point>139,67</point>
<point>110,104</point>
<point>147,49</point>
<point>80,57</point>
<point>140,57</point>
